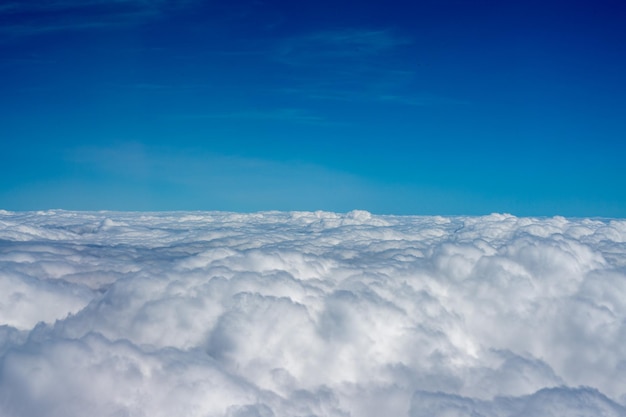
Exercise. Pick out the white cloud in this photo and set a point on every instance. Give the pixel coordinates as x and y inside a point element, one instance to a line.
<point>300,314</point>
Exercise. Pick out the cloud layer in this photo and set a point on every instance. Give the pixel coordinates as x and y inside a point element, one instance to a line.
<point>310,314</point>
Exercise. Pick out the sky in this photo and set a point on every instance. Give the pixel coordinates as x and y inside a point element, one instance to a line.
<point>319,314</point>
<point>418,107</point>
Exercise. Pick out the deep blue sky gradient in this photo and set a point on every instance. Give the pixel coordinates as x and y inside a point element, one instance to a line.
<point>421,107</point>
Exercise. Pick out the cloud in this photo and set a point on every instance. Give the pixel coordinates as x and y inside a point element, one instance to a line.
<point>356,65</point>
<point>386,94</point>
<point>546,402</point>
<point>349,43</point>
<point>282,115</point>
<point>310,313</point>
<point>216,179</point>
<point>41,17</point>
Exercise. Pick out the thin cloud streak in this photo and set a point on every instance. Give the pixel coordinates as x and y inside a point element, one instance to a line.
<point>41,17</point>
<point>338,44</point>
<point>212,179</point>
<point>375,96</point>
<point>285,115</point>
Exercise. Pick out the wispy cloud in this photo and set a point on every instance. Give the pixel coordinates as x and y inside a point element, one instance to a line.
<point>221,180</point>
<point>420,100</point>
<point>291,115</point>
<point>373,93</point>
<point>55,6</point>
<point>355,65</point>
<point>137,161</point>
<point>18,18</point>
<point>337,44</point>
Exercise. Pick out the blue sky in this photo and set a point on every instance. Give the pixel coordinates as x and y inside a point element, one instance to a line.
<point>421,107</point>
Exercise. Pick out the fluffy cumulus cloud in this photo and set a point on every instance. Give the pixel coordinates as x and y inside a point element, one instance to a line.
<point>310,314</point>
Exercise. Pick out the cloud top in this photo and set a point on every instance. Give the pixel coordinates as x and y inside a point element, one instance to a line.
<point>310,313</point>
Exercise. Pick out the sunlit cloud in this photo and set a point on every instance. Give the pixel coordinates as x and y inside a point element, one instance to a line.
<point>310,313</point>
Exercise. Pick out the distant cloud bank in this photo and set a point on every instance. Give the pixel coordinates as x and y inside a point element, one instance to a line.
<point>310,314</point>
